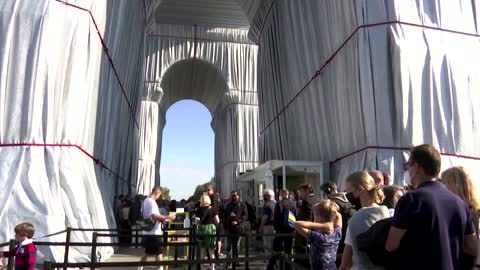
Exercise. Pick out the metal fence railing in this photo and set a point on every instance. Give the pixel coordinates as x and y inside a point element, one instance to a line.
<point>192,245</point>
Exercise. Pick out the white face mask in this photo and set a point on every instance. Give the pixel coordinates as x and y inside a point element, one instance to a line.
<point>280,198</point>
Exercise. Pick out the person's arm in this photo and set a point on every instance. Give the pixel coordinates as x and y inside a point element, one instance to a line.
<point>347,258</point>
<point>470,245</point>
<point>395,235</point>
<point>470,240</point>
<point>404,217</point>
<point>303,231</point>
<point>159,217</point>
<point>338,220</point>
<point>31,257</point>
<point>326,227</point>
<point>216,219</point>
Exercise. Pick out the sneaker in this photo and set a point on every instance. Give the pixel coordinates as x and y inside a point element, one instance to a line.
<point>140,268</point>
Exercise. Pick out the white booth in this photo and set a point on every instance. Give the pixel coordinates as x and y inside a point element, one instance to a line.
<point>278,174</point>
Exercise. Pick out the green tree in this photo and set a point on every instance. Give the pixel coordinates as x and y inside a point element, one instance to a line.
<point>165,193</point>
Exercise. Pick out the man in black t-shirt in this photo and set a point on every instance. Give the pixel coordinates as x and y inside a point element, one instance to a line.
<point>432,227</point>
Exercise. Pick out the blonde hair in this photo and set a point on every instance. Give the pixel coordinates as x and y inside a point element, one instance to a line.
<point>459,181</point>
<point>325,209</point>
<point>205,201</point>
<point>365,180</point>
<point>25,229</point>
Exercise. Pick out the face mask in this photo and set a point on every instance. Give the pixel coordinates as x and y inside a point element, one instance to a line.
<point>280,198</point>
<point>407,180</point>
<point>408,177</point>
<point>353,200</point>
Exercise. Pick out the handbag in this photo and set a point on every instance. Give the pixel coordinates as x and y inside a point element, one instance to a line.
<point>146,224</point>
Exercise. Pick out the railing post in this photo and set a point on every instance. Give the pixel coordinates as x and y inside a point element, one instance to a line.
<point>247,244</point>
<point>189,247</point>
<point>93,259</point>
<point>136,237</point>
<point>282,261</point>
<point>11,246</point>
<point>47,265</point>
<point>67,246</point>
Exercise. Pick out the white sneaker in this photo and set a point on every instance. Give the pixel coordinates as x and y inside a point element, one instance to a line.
<point>160,268</point>
<point>140,268</point>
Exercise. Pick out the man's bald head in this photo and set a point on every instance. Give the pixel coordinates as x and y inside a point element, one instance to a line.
<point>156,193</point>
<point>377,176</point>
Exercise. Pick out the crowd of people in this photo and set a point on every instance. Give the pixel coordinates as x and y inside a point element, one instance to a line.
<point>432,223</point>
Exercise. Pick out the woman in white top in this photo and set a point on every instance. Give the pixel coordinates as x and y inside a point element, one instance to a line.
<point>362,191</point>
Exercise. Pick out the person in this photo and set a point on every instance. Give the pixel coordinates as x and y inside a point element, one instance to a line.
<point>377,177</point>
<point>220,226</point>
<point>392,194</point>
<point>124,222</point>
<point>362,189</point>
<point>207,218</point>
<point>305,213</point>
<point>431,227</point>
<point>266,223</point>
<point>345,208</point>
<point>459,181</point>
<point>135,212</point>
<point>153,238</point>
<point>25,252</point>
<point>323,245</point>
<point>235,214</point>
<point>387,180</point>
<point>282,242</point>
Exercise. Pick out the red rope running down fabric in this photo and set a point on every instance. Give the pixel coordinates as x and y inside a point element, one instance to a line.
<point>398,149</point>
<point>105,49</point>
<point>97,161</point>
<point>337,51</point>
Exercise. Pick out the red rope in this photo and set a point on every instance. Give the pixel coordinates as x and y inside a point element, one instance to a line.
<point>398,149</point>
<point>97,161</point>
<point>337,51</point>
<point>105,49</point>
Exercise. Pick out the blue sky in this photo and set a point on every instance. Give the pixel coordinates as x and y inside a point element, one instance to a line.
<point>187,148</point>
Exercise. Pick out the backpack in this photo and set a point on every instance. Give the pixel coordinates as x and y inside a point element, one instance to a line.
<point>284,217</point>
<point>145,224</point>
<point>372,242</point>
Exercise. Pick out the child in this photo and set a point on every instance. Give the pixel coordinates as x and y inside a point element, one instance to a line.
<point>322,238</point>
<point>25,251</point>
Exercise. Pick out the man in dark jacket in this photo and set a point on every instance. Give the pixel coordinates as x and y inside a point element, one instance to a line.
<point>235,214</point>
<point>282,243</point>
<point>309,199</point>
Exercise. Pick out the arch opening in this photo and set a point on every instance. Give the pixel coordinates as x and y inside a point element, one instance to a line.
<point>187,131</point>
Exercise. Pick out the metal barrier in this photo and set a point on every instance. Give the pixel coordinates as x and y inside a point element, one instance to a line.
<point>191,244</point>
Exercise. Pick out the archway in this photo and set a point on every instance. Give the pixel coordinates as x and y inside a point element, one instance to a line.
<point>234,118</point>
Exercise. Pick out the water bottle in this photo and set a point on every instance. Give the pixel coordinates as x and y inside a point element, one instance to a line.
<point>186,223</point>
